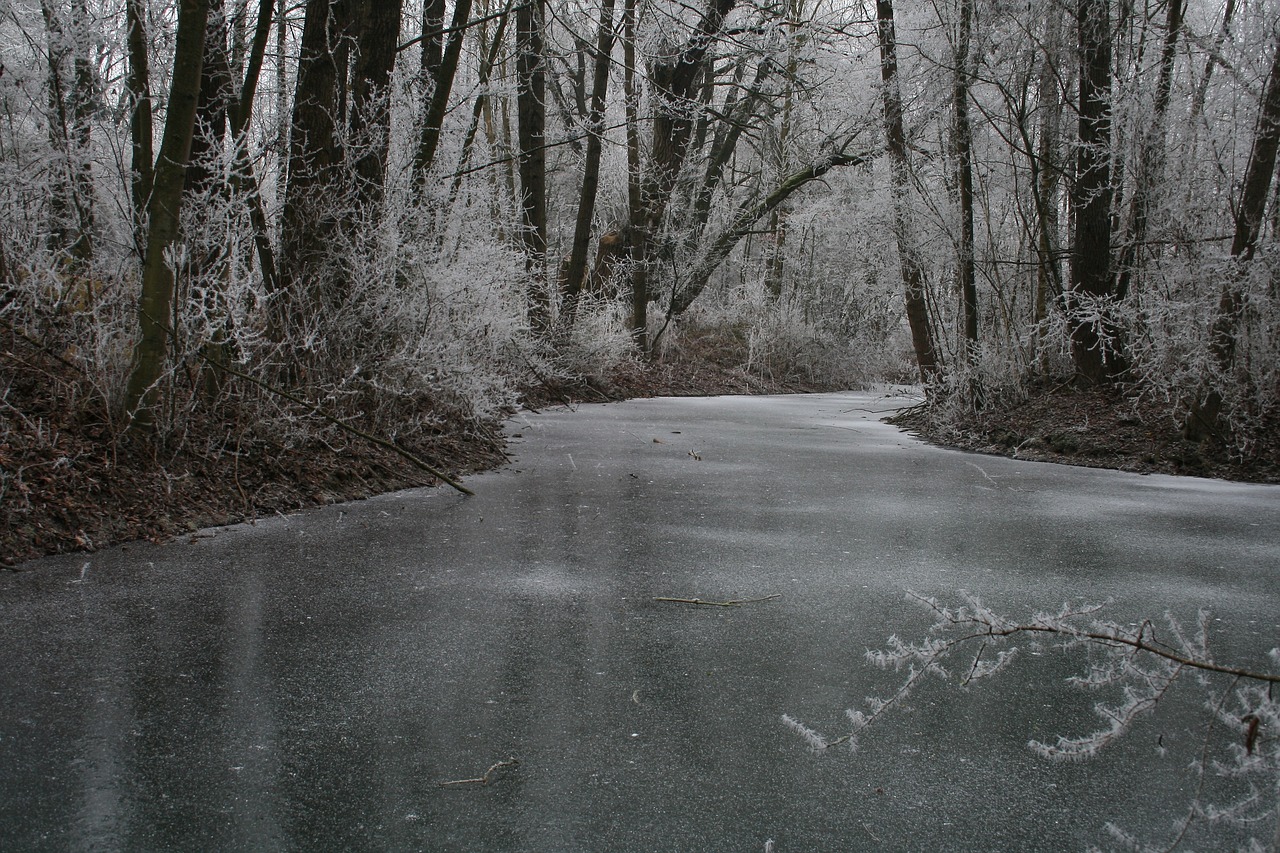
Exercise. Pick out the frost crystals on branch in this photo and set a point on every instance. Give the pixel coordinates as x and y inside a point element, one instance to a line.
<point>970,642</point>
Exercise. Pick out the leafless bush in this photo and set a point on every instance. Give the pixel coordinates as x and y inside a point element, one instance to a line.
<point>1172,336</point>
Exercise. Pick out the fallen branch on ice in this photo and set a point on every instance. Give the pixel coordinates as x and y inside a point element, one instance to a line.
<point>735,602</point>
<point>486,778</point>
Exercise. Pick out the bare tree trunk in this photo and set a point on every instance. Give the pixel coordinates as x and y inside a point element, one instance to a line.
<point>775,264</point>
<point>1150,154</point>
<point>1096,359</point>
<point>1045,171</point>
<point>85,98</point>
<point>208,261</point>
<point>71,99</point>
<point>635,203</point>
<point>433,119</point>
<point>140,120</point>
<point>531,119</point>
<point>912,273</point>
<point>1202,90</point>
<point>739,111</point>
<point>283,117</point>
<point>481,107</point>
<point>377,26</point>
<point>577,267</point>
<point>1206,415</point>
<point>673,122</point>
<point>1261,168</point>
<point>966,276</point>
<point>510,148</point>
<point>243,179</point>
<point>315,194</point>
<point>432,39</point>
<point>216,95</point>
<point>673,79</point>
<point>156,302</point>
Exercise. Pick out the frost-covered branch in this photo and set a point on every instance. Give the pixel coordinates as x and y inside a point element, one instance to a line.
<point>970,641</point>
<point>748,214</point>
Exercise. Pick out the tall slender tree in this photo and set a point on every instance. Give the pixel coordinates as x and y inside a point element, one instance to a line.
<point>138,83</point>
<point>243,178</point>
<point>531,122</point>
<point>576,267</point>
<point>442,71</point>
<point>635,199</point>
<point>217,94</point>
<point>672,78</point>
<point>962,141</point>
<point>899,170</point>
<point>1150,154</point>
<point>1206,414</point>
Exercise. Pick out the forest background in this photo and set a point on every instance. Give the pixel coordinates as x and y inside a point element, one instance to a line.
<point>256,254</point>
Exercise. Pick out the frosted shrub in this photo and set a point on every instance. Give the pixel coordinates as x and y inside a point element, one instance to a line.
<point>84,317</point>
<point>416,339</point>
<point>783,339</point>
<point>460,339</point>
<point>787,340</point>
<point>1172,328</point>
<point>601,341</point>
<point>1135,666</point>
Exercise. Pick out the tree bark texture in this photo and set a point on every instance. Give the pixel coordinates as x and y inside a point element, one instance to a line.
<point>442,86</point>
<point>432,39</point>
<point>899,169</point>
<point>377,27</point>
<point>577,267</point>
<point>531,121</point>
<point>155,305</point>
<point>216,98</point>
<point>966,275</point>
<point>140,118</point>
<point>1089,303</point>
<point>315,196</point>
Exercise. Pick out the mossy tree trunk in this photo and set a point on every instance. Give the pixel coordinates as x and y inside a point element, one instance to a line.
<point>155,305</point>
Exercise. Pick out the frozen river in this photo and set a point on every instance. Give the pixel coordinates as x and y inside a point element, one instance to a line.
<point>307,682</point>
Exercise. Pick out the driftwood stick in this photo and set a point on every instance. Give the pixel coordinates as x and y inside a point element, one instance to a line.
<point>486,778</point>
<point>733,602</point>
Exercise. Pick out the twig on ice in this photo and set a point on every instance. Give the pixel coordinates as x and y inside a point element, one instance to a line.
<point>734,602</point>
<point>486,778</point>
